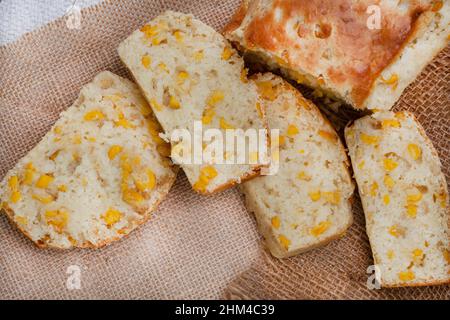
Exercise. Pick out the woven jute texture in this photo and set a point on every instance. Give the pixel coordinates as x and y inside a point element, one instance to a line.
<point>193,247</point>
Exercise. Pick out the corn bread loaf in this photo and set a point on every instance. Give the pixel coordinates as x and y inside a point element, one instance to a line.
<point>96,175</point>
<point>404,196</point>
<point>307,203</point>
<point>188,72</point>
<point>363,52</point>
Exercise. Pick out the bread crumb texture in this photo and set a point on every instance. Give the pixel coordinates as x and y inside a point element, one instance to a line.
<point>306,203</point>
<point>188,72</point>
<point>404,196</point>
<point>96,175</point>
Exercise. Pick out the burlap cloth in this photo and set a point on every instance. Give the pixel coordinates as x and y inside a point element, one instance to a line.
<point>194,247</point>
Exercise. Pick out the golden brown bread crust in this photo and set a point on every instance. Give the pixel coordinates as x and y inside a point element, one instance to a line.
<point>336,29</point>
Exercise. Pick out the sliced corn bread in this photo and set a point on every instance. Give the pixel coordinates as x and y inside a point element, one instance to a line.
<point>364,52</point>
<point>96,175</point>
<point>306,204</point>
<point>188,72</point>
<point>404,196</point>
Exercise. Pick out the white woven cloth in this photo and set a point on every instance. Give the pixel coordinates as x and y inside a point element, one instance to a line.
<point>21,16</point>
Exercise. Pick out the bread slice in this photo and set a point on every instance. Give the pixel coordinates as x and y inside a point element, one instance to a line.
<point>328,45</point>
<point>306,204</point>
<point>405,198</point>
<point>189,72</point>
<point>96,175</point>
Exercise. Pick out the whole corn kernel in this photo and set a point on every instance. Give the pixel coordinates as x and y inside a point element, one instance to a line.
<point>43,181</point>
<point>285,242</point>
<point>314,195</point>
<point>333,197</point>
<point>292,130</point>
<point>392,81</point>
<point>227,53</point>
<point>389,164</point>
<point>411,210</point>
<point>111,216</point>
<point>276,222</point>
<point>414,151</point>
<point>182,76</point>
<point>146,61</point>
<point>15,196</point>
<point>149,30</point>
<point>43,199</point>
<point>320,228</point>
<point>395,231</point>
<point>412,198</point>
<point>114,151</point>
<point>208,116</point>
<point>174,103</point>
<point>179,36</point>
<point>386,199</point>
<point>94,115</point>
<point>374,189</point>
<point>386,123</point>
<point>62,188</point>
<point>13,182</point>
<point>368,139</point>
<point>406,275</point>
<point>123,122</point>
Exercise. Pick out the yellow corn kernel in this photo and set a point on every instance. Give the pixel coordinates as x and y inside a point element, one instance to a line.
<point>62,188</point>
<point>414,151</point>
<point>333,197</point>
<point>28,177</point>
<point>417,255</point>
<point>320,228</point>
<point>123,122</point>
<point>94,115</point>
<point>395,231</point>
<point>57,130</point>
<point>208,116</point>
<point>149,30</point>
<point>182,76</point>
<point>209,172</point>
<point>292,130</point>
<point>179,36</point>
<point>227,53</point>
<point>389,164</point>
<point>131,196</point>
<point>111,216</point>
<point>43,199</point>
<point>386,199</point>
<point>15,196</point>
<point>368,139</point>
<point>389,182</point>
<point>215,97</point>
<point>328,135</point>
<point>224,125</point>
<point>13,182</point>
<point>114,151</point>
<point>411,210</point>
<point>390,254</point>
<point>54,155</point>
<point>58,219</point>
<point>146,61</point>
<point>412,198</point>
<point>21,220</point>
<point>157,41</point>
<point>198,56</point>
<point>406,275</point>
<point>285,242</point>
<point>361,164</point>
<point>301,151</point>
<point>267,90</point>
<point>174,103</point>
<point>151,182</point>
<point>386,123</point>
<point>44,181</point>
<point>392,81</point>
<point>315,195</point>
<point>155,105</point>
<point>303,176</point>
<point>162,66</point>
<point>373,189</point>
<point>276,222</point>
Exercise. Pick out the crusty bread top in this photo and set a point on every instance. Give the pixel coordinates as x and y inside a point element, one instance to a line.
<point>328,44</point>
<point>96,175</point>
<point>307,202</point>
<point>404,196</point>
<point>189,72</point>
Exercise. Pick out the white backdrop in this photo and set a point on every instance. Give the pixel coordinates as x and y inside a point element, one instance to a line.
<point>20,16</point>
